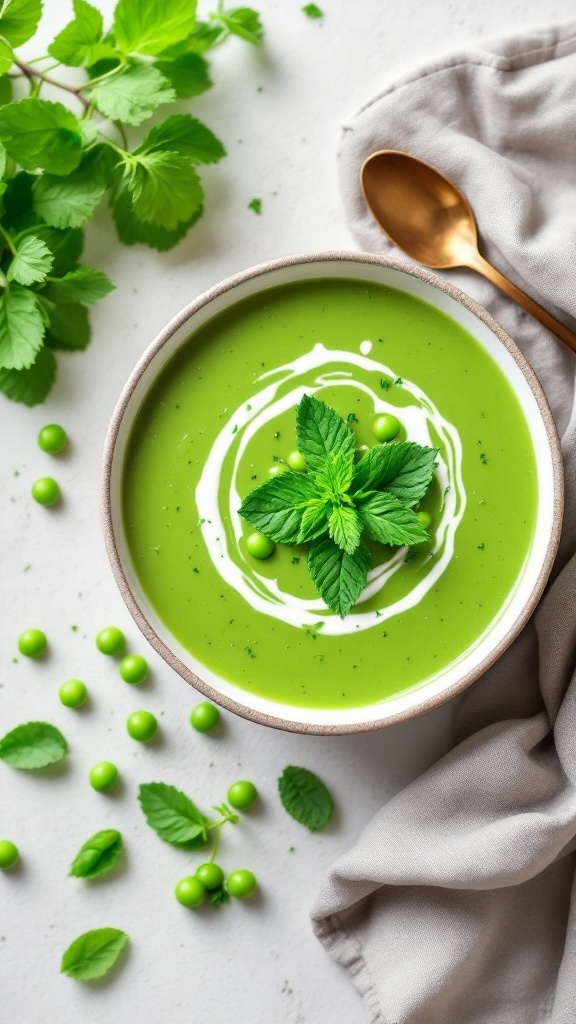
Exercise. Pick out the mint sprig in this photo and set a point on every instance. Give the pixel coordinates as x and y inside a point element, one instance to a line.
<point>339,501</point>
<point>60,158</point>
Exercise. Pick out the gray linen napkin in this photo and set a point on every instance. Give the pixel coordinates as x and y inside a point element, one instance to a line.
<point>454,907</point>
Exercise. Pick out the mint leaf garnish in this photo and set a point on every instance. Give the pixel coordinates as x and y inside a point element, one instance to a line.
<point>277,507</point>
<point>84,285</point>
<point>172,815</point>
<point>335,501</point>
<point>165,189</point>
<point>339,577</point>
<point>153,26</point>
<point>345,527</point>
<point>133,94</point>
<point>39,133</point>
<point>98,855</point>
<point>19,20</point>
<point>33,745</point>
<point>32,262</point>
<point>186,136</point>
<point>21,328</point>
<point>384,518</point>
<point>79,43</point>
<point>321,432</point>
<point>243,22</point>
<point>67,202</point>
<point>404,470</point>
<point>92,954</point>
<point>187,74</point>
<point>305,797</point>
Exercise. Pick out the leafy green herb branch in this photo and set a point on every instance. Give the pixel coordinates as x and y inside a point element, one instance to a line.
<point>57,164</point>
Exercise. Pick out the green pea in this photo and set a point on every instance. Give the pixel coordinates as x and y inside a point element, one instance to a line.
<point>385,427</point>
<point>32,643</point>
<point>241,884</point>
<point>211,875</point>
<point>260,546</point>
<point>190,892</point>
<point>142,726</point>
<point>73,693</point>
<point>278,468</point>
<point>52,439</point>
<point>111,641</point>
<point>242,795</point>
<point>103,776</point>
<point>296,462</point>
<point>45,491</point>
<point>134,669</point>
<point>9,855</point>
<point>425,519</point>
<point>204,717</point>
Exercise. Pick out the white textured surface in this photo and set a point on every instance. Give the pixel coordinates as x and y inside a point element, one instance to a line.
<point>247,963</point>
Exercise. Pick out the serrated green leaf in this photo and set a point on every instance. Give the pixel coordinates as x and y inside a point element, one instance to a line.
<point>131,230</point>
<point>186,136</point>
<point>242,21</point>
<point>188,74</point>
<point>338,576</point>
<point>153,26</point>
<point>68,325</point>
<point>165,189</point>
<point>39,133</point>
<point>276,507</point>
<point>33,385</point>
<point>19,209</point>
<point>19,20</point>
<point>32,262</point>
<point>69,202</point>
<point>33,745</point>
<point>305,797</point>
<point>66,246</point>
<point>92,954</point>
<point>21,328</point>
<point>314,521</point>
<point>388,520</point>
<point>321,432</point>
<point>203,37</point>
<point>132,95</point>
<point>82,285</point>
<point>345,528</point>
<point>172,815</point>
<point>98,855</point>
<point>79,42</point>
<point>404,470</point>
<point>6,56</point>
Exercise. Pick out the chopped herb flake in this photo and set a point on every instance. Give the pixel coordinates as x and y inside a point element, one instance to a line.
<point>256,205</point>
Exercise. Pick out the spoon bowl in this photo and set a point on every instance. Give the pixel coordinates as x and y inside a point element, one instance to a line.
<point>428,218</point>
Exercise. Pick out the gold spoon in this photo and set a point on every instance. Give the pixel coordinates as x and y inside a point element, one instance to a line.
<point>426,216</point>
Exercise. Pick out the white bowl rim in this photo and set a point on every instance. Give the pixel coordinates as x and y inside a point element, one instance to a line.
<point>427,703</point>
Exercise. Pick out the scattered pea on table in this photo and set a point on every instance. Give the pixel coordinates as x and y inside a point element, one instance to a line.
<point>241,884</point>
<point>134,669</point>
<point>52,439</point>
<point>190,892</point>
<point>32,643</point>
<point>9,855</point>
<point>46,491</point>
<point>73,693</point>
<point>204,717</point>
<point>142,726</point>
<point>111,641</point>
<point>103,776</point>
<point>242,795</point>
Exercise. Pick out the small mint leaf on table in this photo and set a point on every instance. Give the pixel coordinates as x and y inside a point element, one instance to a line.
<point>256,206</point>
<point>183,134</point>
<point>33,745</point>
<point>39,133</point>
<point>404,470</point>
<point>313,11</point>
<point>172,815</point>
<point>132,95</point>
<point>92,954</point>
<point>32,262</point>
<point>79,42</point>
<point>187,74</point>
<point>165,189</point>
<point>84,285</point>
<point>338,576</point>
<point>98,854</point>
<point>21,328</point>
<point>305,797</point>
<point>242,21</point>
<point>276,508</point>
<point>321,432</point>
<point>19,20</point>
<point>153,26</point>
<point>386,519</point>
<point>345,527</point>
<point>32,385</point>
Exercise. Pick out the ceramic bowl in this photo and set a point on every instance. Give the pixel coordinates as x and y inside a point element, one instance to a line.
<point>520,605</point>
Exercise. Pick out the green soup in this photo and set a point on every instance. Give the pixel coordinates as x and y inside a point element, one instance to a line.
<point>221,414</point>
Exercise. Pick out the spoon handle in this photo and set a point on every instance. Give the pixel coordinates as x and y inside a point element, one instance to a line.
<point>550,322</point>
